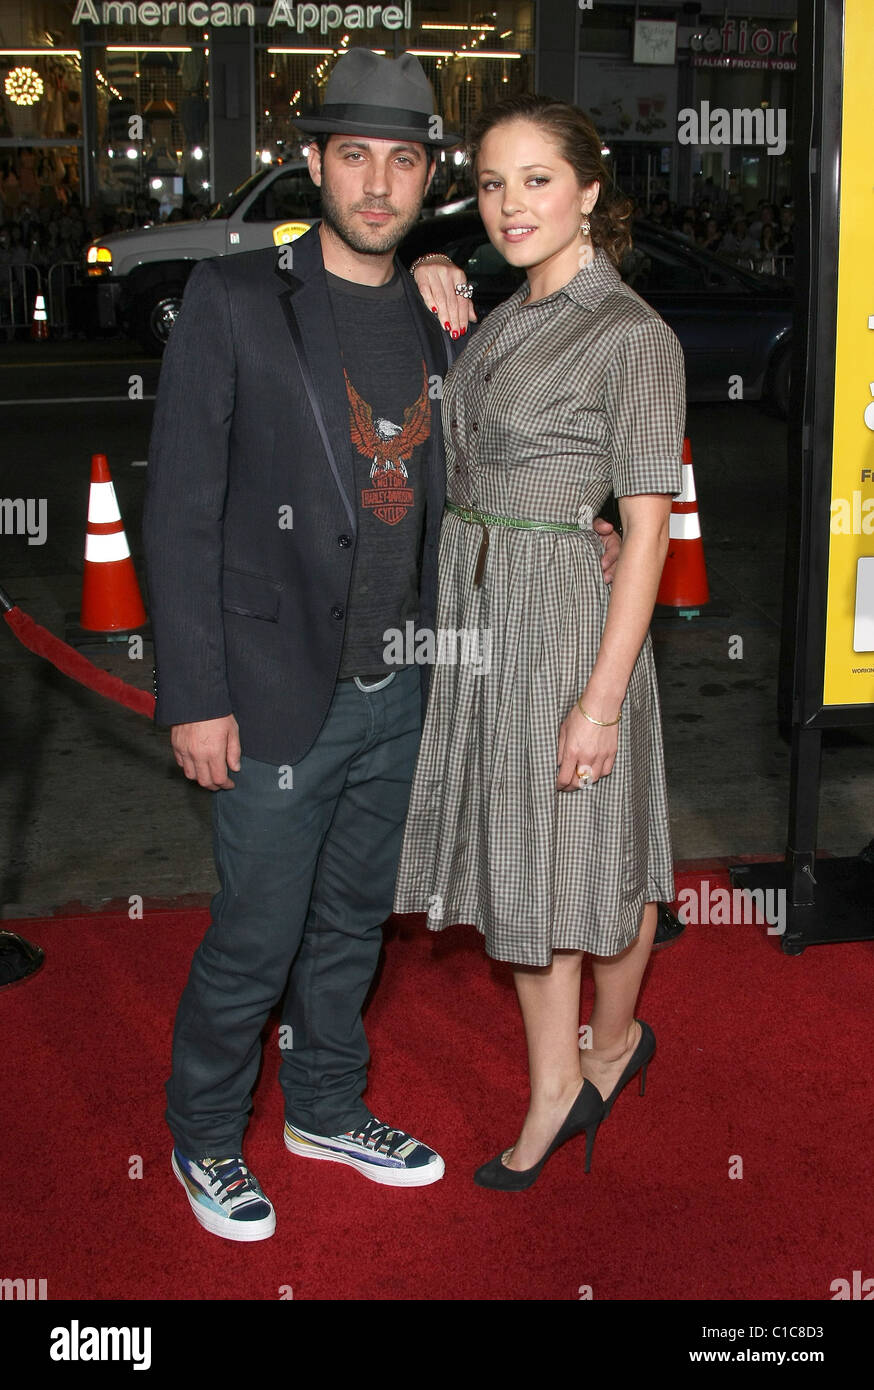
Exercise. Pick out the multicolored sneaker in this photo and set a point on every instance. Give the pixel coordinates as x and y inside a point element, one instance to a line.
<point>225,1197</point>
<point>382,1154</point>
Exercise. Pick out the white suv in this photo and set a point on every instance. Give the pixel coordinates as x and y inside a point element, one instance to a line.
<point>140,275</point>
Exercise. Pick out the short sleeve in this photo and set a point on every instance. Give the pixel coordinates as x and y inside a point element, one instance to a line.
<point>646,410</point>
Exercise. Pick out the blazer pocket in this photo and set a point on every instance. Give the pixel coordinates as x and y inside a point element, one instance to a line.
<point>251,595</point>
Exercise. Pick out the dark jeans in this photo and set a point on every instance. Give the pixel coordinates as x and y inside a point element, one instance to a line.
<point>307,877</point>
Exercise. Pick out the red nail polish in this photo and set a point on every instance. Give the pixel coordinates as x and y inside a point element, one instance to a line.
<point>446,325</point>
<point>433,308</point>
<point>454,334</point>
<point>464,330</point>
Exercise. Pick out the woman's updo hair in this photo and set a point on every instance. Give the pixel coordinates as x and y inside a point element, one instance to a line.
<point>580,144</point>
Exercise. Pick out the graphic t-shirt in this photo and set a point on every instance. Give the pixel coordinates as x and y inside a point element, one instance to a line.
<point>389,424</point>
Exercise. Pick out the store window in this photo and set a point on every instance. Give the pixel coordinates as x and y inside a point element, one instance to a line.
<point>40,127</point>
<point>749,174</point>
<point>152,131</point>
<point>473,56</point>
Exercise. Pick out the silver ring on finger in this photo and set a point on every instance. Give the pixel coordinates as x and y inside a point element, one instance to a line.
<point>465,290</point>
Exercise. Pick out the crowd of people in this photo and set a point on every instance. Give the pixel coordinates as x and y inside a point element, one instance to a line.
<point>761,238</point>
<point>43,223</point>
<point>41,228</point>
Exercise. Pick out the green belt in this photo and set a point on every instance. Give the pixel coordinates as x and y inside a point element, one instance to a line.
<point>486,519</point>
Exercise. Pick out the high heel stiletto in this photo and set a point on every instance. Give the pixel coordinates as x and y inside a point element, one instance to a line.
<point>640,1059</point>
<point>586,1113</point>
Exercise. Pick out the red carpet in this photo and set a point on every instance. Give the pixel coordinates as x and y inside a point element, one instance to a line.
<point>759,1055</point>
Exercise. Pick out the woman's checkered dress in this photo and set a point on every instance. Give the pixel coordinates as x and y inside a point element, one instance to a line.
<point>546,409</point>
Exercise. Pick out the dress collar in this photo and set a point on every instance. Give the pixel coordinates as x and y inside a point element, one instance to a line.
<point>588,287</point>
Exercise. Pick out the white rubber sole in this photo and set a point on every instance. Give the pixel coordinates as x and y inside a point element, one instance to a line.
<point>388,1177</point>
<point>220,1225</point>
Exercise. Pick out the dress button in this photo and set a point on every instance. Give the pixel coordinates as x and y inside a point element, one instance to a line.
<point>344,541</point>
<point>455,422</point>
<point>336,611</point>
<point>487,377</point>
<point>474,426</point>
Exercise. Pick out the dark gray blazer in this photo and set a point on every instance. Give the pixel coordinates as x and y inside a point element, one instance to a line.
<point>252,418</point>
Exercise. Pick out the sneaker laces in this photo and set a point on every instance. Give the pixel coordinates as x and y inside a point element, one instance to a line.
<point>233,1182</point>
<point>379,1137</point>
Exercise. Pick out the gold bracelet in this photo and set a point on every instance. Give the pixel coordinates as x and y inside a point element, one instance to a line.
<point>432,256</point>
<point>603,723</point>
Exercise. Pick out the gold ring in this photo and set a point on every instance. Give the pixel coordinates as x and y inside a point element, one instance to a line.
<point>583,774</point>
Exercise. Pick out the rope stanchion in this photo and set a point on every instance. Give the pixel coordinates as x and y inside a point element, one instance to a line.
<point>71,663</point>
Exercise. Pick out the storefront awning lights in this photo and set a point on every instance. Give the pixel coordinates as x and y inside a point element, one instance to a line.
<point>470,28</point>
<point>431,52</point>
<point>146,48</point>
<point>40,52</point>
<point>482,53</point>
<point>300,50</point>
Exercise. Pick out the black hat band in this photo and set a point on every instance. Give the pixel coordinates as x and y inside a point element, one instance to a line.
<point>372,115</point>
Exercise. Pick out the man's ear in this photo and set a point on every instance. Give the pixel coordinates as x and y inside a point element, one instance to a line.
<point>431,173</point>
<point>314,164</point>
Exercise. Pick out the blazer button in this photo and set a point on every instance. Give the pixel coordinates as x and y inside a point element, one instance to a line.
<point>344,541</point>
<point>336,611</point>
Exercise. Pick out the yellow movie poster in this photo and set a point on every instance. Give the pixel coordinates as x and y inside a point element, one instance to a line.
<point>849,642</point>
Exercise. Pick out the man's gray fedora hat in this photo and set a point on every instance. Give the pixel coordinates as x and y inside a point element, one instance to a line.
<point>387,98</point>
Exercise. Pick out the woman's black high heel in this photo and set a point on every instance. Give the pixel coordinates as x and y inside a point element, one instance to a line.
<point>586,1113</point>
<point>640,1059</point>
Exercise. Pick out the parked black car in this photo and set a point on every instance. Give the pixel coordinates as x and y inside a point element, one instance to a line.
<point>731,322</point>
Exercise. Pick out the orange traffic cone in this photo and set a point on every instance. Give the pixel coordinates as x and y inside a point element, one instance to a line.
<point>684,578</point>
<point>111,599</point>
<point>39,326</point>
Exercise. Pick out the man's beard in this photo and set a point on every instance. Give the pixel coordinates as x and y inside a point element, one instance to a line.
<point>345,227</point>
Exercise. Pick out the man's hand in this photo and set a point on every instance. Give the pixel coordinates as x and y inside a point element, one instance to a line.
<point>206,750</point>
<point>436,282</point>
<point>612,545</point>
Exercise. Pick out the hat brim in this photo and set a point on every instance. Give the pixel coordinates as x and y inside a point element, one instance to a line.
<point>317,125</point>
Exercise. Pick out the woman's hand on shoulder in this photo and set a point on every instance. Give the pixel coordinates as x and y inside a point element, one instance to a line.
<point>436,281</point>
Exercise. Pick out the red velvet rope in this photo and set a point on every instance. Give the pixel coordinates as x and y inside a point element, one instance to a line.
<point>44,643</point>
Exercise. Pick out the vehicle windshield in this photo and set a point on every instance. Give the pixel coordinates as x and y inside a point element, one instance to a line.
<point>233,200</point>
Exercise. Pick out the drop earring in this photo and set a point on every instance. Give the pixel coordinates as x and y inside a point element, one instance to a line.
<point>587,250</point>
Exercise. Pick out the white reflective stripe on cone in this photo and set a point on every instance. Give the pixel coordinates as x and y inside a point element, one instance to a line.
<point>688,494</point>
<point>101,549</point>
<point>102,504</point>
<point>685,526</point>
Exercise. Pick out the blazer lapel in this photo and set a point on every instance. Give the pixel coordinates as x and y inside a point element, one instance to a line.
<point>307,308</point>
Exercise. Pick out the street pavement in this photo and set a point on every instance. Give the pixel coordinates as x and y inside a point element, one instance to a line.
<point>92,806</point>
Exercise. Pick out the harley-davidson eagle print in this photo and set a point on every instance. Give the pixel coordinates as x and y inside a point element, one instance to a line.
<point>389,447</point>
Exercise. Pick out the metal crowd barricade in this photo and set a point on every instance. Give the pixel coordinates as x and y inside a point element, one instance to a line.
<point>19,287</point>
<point>62,277</point>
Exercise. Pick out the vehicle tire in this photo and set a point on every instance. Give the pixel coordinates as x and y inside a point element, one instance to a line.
<point>780,382</point>
<point>155,313</point>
